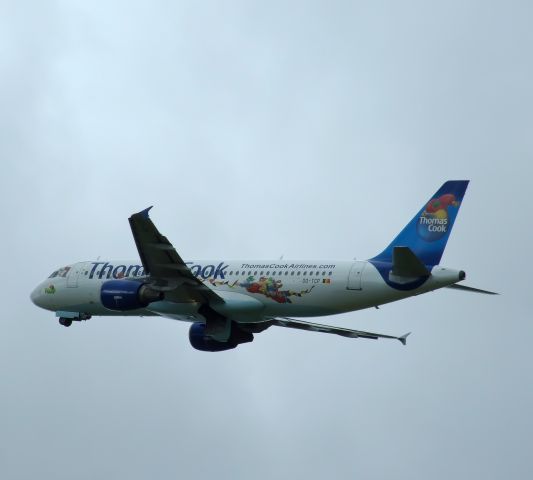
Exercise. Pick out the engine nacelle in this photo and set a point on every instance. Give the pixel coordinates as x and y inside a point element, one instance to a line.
<point>123,295</point>
<point>201,341</point>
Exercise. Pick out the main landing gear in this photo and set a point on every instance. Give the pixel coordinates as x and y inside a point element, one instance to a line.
<point>66,321</point>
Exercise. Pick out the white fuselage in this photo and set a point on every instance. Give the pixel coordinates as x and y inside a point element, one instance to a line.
<point>252,290</point>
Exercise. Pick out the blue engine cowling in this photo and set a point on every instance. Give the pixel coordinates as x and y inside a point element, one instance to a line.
<point>123,295</point>
<point>201,341</point>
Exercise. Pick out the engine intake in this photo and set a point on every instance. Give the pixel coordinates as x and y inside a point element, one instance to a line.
<point>123,295</point>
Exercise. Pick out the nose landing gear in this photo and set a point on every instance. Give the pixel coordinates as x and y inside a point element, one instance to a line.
<point>66,322</point>
<point>66,318</point>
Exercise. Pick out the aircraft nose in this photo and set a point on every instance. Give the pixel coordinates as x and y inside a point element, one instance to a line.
<point>36,295</point>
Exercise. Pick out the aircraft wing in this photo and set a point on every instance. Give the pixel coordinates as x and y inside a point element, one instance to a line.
<point>344,332</point>
<point>166,269</point>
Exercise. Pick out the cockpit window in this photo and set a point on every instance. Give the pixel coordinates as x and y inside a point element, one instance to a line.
<point>62,272</point>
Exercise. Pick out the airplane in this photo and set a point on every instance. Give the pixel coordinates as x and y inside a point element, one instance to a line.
<point>228,302</point>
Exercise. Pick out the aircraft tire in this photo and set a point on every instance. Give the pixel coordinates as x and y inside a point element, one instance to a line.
<point>66,322</point>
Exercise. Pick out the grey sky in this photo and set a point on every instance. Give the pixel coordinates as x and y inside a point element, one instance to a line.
<point>309,129</point>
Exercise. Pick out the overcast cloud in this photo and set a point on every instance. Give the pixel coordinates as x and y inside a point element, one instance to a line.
<point>309,129</point>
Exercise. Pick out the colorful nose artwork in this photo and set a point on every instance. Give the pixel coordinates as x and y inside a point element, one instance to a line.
<point>434,221</point>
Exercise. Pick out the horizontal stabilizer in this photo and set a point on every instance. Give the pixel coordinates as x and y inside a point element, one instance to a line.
<point>406,264</point>
<point>464,288</point>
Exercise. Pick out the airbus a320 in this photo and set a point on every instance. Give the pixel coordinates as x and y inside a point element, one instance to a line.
<point>228,302</point>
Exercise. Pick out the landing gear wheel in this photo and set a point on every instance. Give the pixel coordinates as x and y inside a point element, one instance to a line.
<point>66,322</point>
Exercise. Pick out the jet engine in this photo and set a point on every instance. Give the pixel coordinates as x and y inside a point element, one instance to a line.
<point>201,341</point>
<point>123,295</point>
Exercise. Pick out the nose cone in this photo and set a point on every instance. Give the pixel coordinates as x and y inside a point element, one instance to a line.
<point>36,296</point>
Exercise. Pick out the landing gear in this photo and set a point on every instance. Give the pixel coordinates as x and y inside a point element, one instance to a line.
<point>66,318</point>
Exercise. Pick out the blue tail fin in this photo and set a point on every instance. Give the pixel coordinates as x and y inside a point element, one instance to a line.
<point>427,233</point>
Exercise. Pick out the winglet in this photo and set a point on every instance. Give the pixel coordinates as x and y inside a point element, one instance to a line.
<point>144,213</point>
<point>403,338</point>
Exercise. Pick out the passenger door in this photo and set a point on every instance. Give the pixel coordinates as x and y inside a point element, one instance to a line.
<point>74,274</point>
<point>355,275</point>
